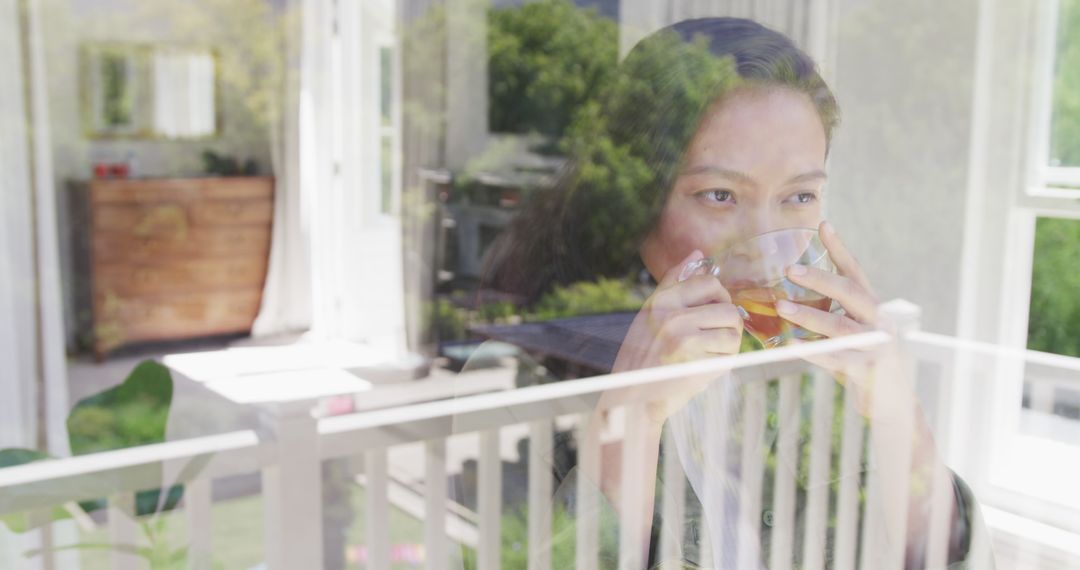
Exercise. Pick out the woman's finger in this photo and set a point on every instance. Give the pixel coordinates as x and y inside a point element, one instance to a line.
<point>845,262</point>
<point>856,300</point>
<point>671,277</point>
<point>706,344</point>
<point>824,323</point>
<point>713,316</point>
<point>695,291</point>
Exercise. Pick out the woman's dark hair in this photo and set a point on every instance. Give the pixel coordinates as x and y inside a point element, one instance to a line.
<point>625,150</point>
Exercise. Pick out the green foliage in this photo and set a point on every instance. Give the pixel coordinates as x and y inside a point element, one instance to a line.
<point>515,532</point>
<point>134,413</point>
<point>158,554</point>
<point>447,322</point>
<point>587,298</point>
<point>497,311</point>
<point>1054,320</point>
<point>547,59</point>
<point>1065,130</point>
<point>627,145</point>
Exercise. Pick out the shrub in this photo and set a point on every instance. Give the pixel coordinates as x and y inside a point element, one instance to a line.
<point>587,298</point>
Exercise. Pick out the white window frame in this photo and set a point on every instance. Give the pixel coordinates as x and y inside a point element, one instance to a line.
<point>1045,192</point>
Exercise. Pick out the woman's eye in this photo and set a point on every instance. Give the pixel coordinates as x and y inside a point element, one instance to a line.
<point>805,197</point>
<point>719,196</point>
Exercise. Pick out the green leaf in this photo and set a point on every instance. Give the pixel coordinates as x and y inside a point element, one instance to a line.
<point>134,413</point>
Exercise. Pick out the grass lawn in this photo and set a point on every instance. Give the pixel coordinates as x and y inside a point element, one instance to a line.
<point>238,540</point>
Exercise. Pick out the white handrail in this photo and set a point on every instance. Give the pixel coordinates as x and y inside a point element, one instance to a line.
<point>1047,359</point>
<point>595,385</point>
<point>49,482</point>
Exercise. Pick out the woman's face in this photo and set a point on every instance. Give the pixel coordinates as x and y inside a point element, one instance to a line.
<point>756,164</point>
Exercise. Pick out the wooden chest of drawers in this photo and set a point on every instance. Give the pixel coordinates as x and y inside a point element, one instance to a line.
<point>177,258</point>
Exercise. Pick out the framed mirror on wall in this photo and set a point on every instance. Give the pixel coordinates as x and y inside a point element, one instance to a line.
<point>149,91</point>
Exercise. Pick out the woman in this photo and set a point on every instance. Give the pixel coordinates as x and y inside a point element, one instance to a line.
<point>716,130</point>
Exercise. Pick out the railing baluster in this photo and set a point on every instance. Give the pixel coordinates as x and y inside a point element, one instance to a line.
<point>705,549</point>
<point>435,552</point>
<point>937,549</point>
<point>48,543</point>
<point>674,504</point>
<point>941,503</point>
<point>198,502</point>
<point>847,502</point>
<point>540,490</point>
<point>787,466</point>
<point>489,501</point>
<point>717,476</point>
<point>377,509</point>
<point>815,524</point>
<point>892,433</point>
<point>753,468</point>
<point>588,494</point>
<point>980,553</point>
<point>632,491</point>
<point>123,531</point>
<point>292,489</point>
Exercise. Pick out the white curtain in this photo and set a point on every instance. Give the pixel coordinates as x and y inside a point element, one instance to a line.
<point>336,259</point>
<point>32,362</point>
<point>31,334</point>
<point>286,301</point>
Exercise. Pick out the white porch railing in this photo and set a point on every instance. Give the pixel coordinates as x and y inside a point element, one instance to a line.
<point>288,452</point>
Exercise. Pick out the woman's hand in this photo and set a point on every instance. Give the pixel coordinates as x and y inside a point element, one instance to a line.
<point>850,288</point>
<point>681,321</point>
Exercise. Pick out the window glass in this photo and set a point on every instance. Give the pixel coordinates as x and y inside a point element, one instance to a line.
<point>1065,125</point>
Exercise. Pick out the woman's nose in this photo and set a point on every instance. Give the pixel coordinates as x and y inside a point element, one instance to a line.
<point>759,220</point>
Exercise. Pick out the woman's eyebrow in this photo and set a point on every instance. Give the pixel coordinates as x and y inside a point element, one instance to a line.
<point>811,176</point>
<point>734,175</point>
<point>744,178</point>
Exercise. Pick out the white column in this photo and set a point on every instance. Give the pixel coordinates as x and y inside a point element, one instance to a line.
<point>467,81</point>
<point>49,302</point>
<point>292,488</point>
<point>18,330</point>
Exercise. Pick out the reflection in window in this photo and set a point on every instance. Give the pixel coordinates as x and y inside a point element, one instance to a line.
<point>1054,321</point>
<point>1065,128</point>
<point>183,94</point>
<point>1054,318</point>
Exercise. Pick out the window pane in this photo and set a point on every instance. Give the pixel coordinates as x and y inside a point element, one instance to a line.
<point>386,85</point>
<point>387,156</point>
<point>1054,319</point>
<point>1065,127</point>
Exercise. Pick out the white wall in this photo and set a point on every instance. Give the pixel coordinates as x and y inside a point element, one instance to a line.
<point>898,170</point>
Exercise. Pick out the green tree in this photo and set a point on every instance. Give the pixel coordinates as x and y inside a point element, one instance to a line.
<point>1054,320</point>
<point>1065,131</point>
<point>547,59</point>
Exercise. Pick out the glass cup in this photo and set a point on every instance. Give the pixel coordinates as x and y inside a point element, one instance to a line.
<point>753,271</point>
